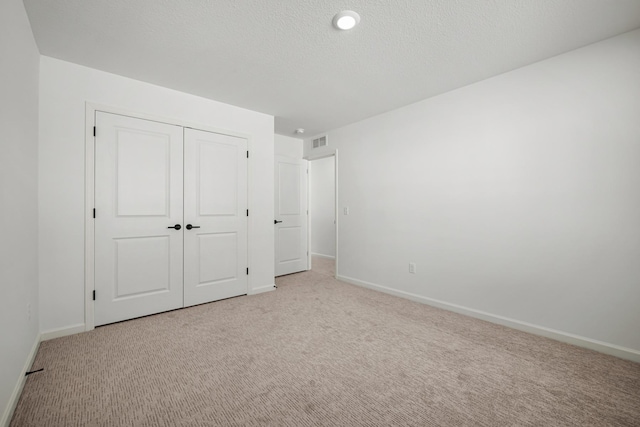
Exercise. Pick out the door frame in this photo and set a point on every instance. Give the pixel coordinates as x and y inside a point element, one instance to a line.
<point>329,153</point>
<point>89,190</point>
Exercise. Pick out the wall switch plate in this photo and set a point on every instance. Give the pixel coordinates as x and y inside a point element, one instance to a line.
<point>346,210</point>
<point>412,267</point>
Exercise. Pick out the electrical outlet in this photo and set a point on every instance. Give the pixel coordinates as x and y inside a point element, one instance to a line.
<point>412,267</point>
<point>346,210</point>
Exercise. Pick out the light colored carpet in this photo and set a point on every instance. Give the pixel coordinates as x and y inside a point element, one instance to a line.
<point>321,352</point>
<point>323,266</point>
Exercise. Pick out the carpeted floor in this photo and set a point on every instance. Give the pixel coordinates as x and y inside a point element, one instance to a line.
<point>321,352</point>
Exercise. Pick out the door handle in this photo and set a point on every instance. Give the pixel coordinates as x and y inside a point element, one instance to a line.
<point>189,226</point>
<point>177,227</point>
<point>275,221</point>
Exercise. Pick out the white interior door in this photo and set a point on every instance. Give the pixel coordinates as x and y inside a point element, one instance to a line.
<point>215,216</point>
<point>138,195</point>
<point>290,215</point>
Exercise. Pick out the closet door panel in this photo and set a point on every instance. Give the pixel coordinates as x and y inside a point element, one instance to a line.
<point>215,209</point>
<point>138,195</point>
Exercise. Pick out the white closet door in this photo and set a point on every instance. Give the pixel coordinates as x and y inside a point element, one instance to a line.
<point>215,205</point>
<point>290,215</point>
<point>138,195</point>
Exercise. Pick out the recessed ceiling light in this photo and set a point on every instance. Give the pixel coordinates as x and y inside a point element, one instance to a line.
<point>346,20</point>
<point>299,131</point>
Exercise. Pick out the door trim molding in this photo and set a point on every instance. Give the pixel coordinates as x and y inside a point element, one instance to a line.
<point>89,191</point>
<point>89,228</point>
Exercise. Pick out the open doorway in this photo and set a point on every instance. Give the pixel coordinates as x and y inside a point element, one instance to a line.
<point>323,227</point>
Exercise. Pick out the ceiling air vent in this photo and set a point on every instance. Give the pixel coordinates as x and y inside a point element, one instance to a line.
<point>320,142</point>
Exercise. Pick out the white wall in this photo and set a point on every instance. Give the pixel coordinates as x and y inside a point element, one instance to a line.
<point>322,206</point>
<point>64,90</point>
<point>18,198</point>
<point>288,146</point>
<point>518,196</point>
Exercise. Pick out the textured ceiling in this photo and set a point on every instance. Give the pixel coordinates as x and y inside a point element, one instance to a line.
<point>282,57</point>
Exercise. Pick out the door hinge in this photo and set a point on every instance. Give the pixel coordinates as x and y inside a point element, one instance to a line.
<point>247,270</point>
<point>247,212</point>
<point>94,212</point>
<point>247,154</point>
<point>94,131</point>
<point>94,295</point>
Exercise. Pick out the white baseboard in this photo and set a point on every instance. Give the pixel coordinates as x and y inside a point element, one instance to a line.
<point>323,255</point>
<point>62,332</point>
<point>17,391</point>
<point>602,347</point>
<point>262,289</point>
